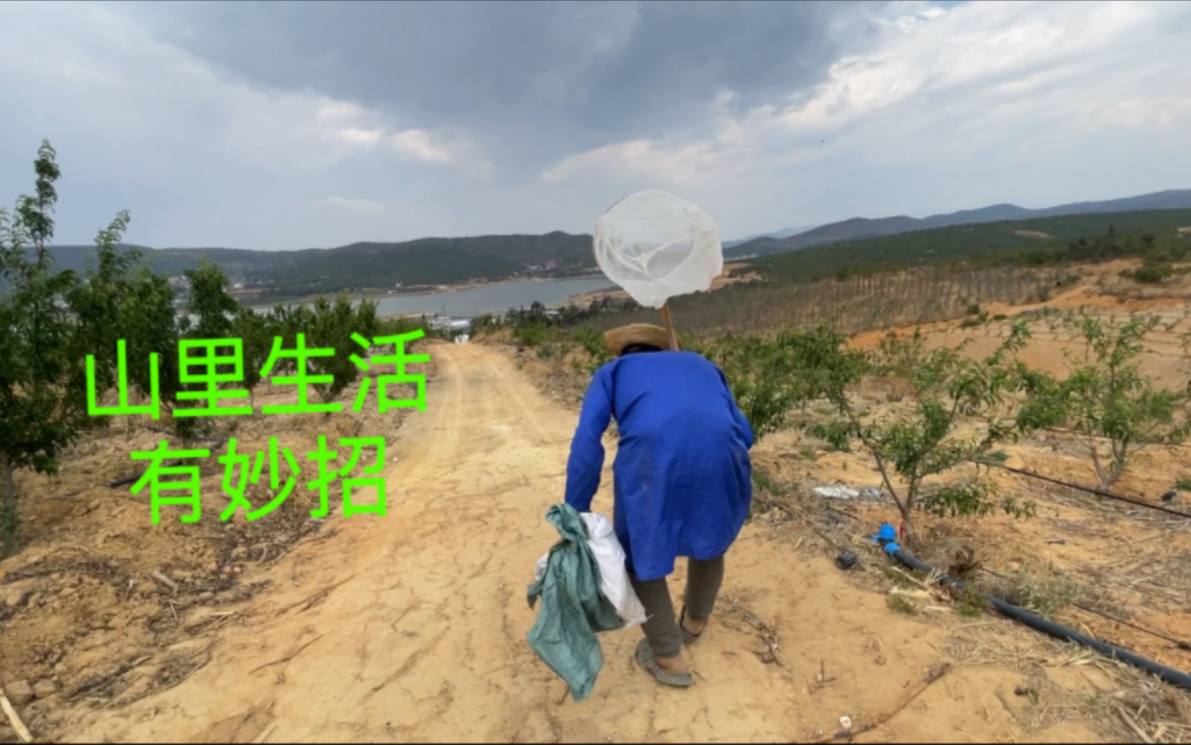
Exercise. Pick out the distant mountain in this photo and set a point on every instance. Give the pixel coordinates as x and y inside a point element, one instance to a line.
<point>429,262</point>
<point>836,232</point>
<point>954,243</point>
<point>777,234</point>
<point>859,228</point>
<point>425,262</point>
<point>984,214</point>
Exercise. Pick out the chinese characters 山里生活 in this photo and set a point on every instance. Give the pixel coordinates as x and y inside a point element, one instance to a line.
<point>201,363</point>
<point>208,367</point>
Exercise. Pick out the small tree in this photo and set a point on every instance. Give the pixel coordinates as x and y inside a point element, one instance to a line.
<point>332,328</point>
<point>287,323</point>
<point>210,302</point>
<point>944,391</point>
<point>254,331</point>
<point>43,394</point>
<point>214,310</point>
<point>1108,404</point>
<point>771,376</point>
<point>597,349</point>
<point>758,372</point>
<point>123,300</point>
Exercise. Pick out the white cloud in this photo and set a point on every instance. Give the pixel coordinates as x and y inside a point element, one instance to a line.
<point>417,143</point>
<point>675,165</point>
<point>975,76</point>
<point>367,137</point>
<point>125,104</point>
<point>1031,102</point>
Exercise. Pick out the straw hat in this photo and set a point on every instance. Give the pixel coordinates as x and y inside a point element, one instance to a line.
<point>637,333</point>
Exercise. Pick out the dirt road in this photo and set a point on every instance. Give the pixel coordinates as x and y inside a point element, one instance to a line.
<point>422,634</point>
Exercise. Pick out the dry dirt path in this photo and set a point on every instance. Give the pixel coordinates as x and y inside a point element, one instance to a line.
<point>422,637</point>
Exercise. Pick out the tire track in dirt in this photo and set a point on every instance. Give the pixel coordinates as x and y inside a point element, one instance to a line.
<point>425,640</point>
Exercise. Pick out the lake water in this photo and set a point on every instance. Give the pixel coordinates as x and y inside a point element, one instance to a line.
<point>495,298</point>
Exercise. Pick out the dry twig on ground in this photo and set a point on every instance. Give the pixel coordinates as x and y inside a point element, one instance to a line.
<point>910,694</point>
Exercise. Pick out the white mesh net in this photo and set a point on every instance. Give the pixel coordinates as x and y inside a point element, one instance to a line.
<point>656,245</point>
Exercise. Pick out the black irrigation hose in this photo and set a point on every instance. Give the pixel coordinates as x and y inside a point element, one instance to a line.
<point>1088,489</point>
<point>1166,674</point>
<point>1185,646</point>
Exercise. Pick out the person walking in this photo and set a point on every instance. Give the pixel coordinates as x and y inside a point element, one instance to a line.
<point>682,480</point>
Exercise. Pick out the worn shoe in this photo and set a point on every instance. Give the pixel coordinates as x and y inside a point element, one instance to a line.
<point>645,659</point>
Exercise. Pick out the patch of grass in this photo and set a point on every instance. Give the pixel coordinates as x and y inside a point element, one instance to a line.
<point>1183,483</point>
<point>896,577</point>
<point>899,604</point>
<point>971,603</point>
<point>835,434</point>
<point>765,494</point>
<point>1043,590</point>
<point>1150,273</point>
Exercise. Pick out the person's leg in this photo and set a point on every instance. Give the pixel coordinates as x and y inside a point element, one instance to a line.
<point>703,580</point>
<point>660,627</point>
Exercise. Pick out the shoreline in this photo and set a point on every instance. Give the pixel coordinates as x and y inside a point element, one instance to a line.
<point>581,299</point>
<point>441,290</point>
<point>720,282</point>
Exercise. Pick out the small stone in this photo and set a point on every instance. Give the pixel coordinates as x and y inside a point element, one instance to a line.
<point>44,688</point>
<point>15,596</point>
<point>19,693</point>
<point>239,552</point>
<point>206,595</point>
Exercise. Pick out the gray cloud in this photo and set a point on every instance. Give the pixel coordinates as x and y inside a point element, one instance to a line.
<point>289,125</point>
<point>544,78</point>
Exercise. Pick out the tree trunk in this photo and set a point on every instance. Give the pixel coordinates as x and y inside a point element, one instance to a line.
<point>1116,466</point>
<point>8,507</point>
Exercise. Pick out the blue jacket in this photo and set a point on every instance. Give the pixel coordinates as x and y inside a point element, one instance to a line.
<point>682,480</point>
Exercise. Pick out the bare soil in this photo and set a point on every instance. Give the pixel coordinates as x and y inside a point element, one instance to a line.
<point>412,626</point>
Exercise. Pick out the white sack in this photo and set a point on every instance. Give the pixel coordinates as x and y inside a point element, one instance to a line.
<point>614,579</point>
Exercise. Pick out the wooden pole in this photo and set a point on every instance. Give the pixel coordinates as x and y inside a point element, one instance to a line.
<point>13,719</point>
<point>670,326</point>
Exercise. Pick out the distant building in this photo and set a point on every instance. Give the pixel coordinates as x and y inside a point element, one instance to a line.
<point>449,324</point>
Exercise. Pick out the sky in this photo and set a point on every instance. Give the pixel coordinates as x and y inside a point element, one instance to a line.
<point>288,125</point>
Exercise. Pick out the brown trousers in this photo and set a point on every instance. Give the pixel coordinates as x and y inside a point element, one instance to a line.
<point>703,580</point>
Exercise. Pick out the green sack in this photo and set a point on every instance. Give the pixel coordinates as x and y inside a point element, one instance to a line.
<point>573,608</point>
